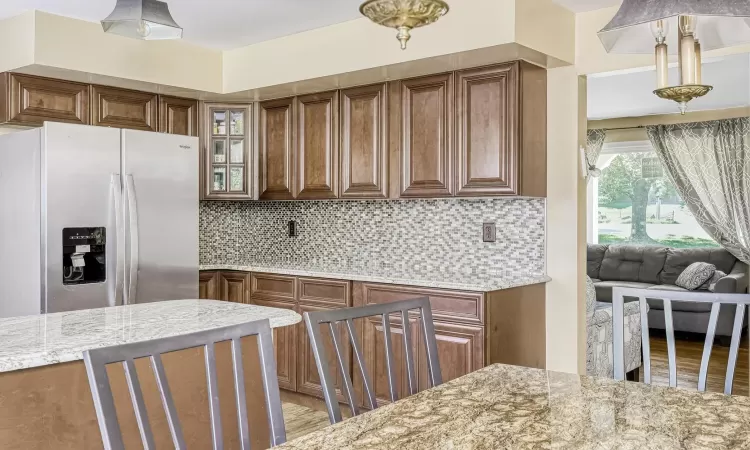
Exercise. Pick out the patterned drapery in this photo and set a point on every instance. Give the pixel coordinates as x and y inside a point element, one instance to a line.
<point>594,144</point>
<point>709,164</point>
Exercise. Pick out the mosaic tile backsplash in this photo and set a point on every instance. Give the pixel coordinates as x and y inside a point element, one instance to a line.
<point>424,239</point>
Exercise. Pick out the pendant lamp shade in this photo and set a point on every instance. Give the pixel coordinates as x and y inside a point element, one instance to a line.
<point>142,19</point>
<point>720,23</point>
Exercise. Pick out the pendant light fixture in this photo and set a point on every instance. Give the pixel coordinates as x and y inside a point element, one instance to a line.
<point>681,27</point>
<point>142,19</point>
<point>404,15</point>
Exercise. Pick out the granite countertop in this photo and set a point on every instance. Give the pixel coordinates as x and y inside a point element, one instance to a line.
<point>507,407</point>
<point>501,281</point>
<point>33,341</point>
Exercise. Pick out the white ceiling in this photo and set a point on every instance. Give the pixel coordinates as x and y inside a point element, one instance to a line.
<point>629,93</point>
<point>222,24</point>
<point>587,5</point>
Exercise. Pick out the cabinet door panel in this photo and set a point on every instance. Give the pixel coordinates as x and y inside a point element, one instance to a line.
<point>122,108</point>
<point>33,100</point>
<point>460,351</point>
<point>488,156</point>
<point>317,146</point>
<point>426,147</point>
<point>273,287</point>
<point>234,286</point>
<point>178,116</point>
<point>277,149</point>
<point>285,347</point>
<point>208,286</point>
<point>320,291</point>
<point>227,169</point>
<point>364,142</point>
<point>308,379</point>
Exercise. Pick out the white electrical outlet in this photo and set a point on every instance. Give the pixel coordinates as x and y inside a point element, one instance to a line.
<point>489,232</point>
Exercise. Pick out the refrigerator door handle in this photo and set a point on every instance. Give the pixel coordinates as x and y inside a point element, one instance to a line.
<point>133,229</point>
<point>116,256</point>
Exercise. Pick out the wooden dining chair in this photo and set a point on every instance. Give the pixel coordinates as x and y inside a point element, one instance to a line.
<point>96,362</point>
<point>716,300</point>
<point>313,322</point>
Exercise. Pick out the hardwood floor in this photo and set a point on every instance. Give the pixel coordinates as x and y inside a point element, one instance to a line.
<point>688,362</point>
<point>301,420</point>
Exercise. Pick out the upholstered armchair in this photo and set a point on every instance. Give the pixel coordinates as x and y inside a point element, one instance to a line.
<point>599,339</point>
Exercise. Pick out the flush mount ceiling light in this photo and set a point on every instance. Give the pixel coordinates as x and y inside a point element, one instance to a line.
<point>404,15</point>
<point>683,26</point>
<point>142,19</point>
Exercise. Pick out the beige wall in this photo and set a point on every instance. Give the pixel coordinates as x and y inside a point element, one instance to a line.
<point>566,221</point>
<point>17,42</point>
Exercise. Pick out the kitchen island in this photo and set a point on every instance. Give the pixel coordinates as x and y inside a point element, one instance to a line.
<point>44,391</point>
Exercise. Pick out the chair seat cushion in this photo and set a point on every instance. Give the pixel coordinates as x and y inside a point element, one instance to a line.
<point>604,288</point>
<point>676,306</point>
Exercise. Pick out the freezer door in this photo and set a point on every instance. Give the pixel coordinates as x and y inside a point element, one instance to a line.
<point>161,216</point>
<point>80,184</point>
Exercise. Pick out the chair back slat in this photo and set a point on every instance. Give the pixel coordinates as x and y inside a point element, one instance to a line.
<point>343,364</point>
<point>411,373</point>
<point>734,347</point>
<point>708,345</point>
<point>96,362</point>
<point>217,438</point>
<point>389,359</point>
<point>671,350</point>
<point>643,306</point>
<point>313,321</point>
<point>139,406</point>
<point>358,356</point>
<point>667,297</point>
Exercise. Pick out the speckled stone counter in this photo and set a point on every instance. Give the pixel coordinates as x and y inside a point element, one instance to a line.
<point>33,341</point>
<point>507,407</point>
<point>463,282</point>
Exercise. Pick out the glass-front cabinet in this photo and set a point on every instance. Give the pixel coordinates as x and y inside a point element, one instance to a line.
<point>227,160</point>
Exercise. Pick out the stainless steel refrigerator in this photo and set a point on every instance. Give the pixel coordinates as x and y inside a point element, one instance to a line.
<point>93,217</point>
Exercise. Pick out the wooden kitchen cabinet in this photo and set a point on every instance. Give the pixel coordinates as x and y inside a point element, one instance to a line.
<point>178,115</point>
<point>277,149</point>
<point>28,100</point>
<point>285,346</point>
<point>501,130</point>
<point>234,286</point>
<point>208,286</point>
<point>123,108</point>
<point>460,351</point>
<point>426,136</point>
<point>364,142</point>
<point>317,151</point>
<point>227,152</point>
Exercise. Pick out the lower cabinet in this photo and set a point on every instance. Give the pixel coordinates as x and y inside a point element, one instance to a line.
<point>208,285</point>
<point>460,351</point>
<point>285,347</point>
<point>223,285</point>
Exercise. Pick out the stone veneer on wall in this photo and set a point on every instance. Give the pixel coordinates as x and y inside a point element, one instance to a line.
<point>421,238</point>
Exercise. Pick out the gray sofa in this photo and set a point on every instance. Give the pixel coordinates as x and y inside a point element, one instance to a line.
<point>656,267</point>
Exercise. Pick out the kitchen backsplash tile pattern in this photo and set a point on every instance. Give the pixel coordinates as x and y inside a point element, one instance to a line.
<point>420,239</point>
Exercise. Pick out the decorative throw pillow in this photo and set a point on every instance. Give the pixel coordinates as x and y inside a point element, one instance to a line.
<point>710,284</point>
<point>695,275</point>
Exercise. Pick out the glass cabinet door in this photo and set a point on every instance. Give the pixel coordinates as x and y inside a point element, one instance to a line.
<point>228,147</point>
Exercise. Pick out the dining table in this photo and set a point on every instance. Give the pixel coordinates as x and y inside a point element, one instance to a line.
<point>510,407</point>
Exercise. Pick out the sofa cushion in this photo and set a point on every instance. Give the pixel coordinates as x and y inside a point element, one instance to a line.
<point>679,258</point>
<point>695,275</point>
<point>594,257</point>
<point>604,288</point>
<point>677,306</point>
<point>638,263</point>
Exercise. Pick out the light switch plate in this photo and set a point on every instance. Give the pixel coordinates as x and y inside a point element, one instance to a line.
<point>489,232</point>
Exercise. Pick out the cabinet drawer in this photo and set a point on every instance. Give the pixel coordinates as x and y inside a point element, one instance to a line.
<point>454,306</point>
<point>272,287</point>
<point>329,292</point>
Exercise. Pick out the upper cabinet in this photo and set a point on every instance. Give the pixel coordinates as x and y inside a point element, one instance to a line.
<point>317,151</point>
<point>277,150</point>
<point>178,116</point>
<point>364,142</point>
<point>228,169</point>
<point>28,100</point>
<point>123,108</point>
<point>426,112</point>
<point>501,129</point>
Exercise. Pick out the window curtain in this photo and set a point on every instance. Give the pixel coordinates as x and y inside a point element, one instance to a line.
<point>594,144</point>
<point>709,164</point>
